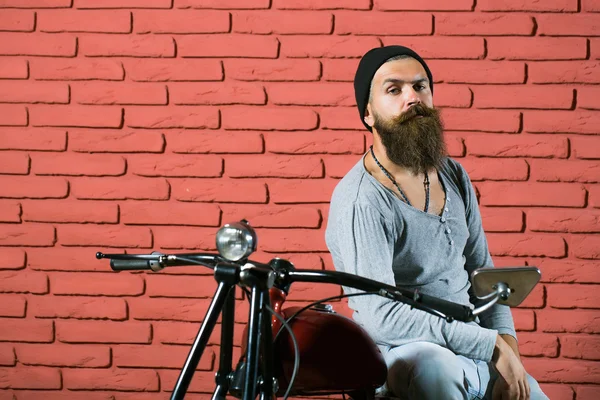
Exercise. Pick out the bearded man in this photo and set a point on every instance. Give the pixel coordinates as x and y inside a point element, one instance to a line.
<point>407,215</point>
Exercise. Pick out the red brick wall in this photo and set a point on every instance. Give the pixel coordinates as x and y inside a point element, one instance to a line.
<point>146,124</point>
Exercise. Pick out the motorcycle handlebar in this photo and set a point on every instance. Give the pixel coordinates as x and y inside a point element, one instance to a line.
<point>130,265</point>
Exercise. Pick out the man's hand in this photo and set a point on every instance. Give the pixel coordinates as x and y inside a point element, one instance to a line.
<point>512,383</point>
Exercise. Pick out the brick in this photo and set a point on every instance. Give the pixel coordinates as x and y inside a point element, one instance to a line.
<point>82,4</point>
<point>84,21</point>
<point>36,4</point>
<point>271,216</point>
<point>319,142</point>
<point>15,163</point>
<point>481,120</point>
<point>34,235</point>
<point>524,319</point>
<point>216,93</point>
<point>76,116</point>
<point>33,139</point>
<point>233,45</point>
<point>594,196</point>
<point>33,187</point>
<point>10,211</point>
<point>199,142</point>
<point>79,331</point>
<point>441,47</point>
<point>376,23</point>
<point>587,247</point>
<point>459,24</point>
<point>30,378</point>
<point>67,259</point>
<point>169,213</point>
<point>302,191</point>
<point>586,148</point>
<point>34,92</point>
<point>13,115</point>
<point>157,70</point>
<point>565,171</point>
<point>203,382</point>
<point>538,345</point>
<point>282,22</point>
<point>502,219</point>
<point>557,391</point>
<point>269,118</point>
<point>535,146</point>
<point>127,46</point>
<point>158,357</point>
<point>176,165</point>
<point>531,194</point>
<point>96,284</point>
<point>280,70</point>
<point>587,98</point>
<point>14,68</point>
<point>162,285</point>
<point>580,346</point>
<point>453,96</point>
<point>172,117</point>
<point>178,237</point>
<point>590,6</point>
<point>180,21</point>
<point>519,97</point>
<point>60,355</point>
<point>306,260</point>
<point>293,240</point>
<point>339,70</point>
<point>535,299</point>
<point>568,271</point>
<point>340,118</point>
<point>7,355</point>
<point>136,380</point>
<point>572,296</point>
<point>11,306</point>
<point>273,166</point>
<point>168,309</point>
<point>561,370</point>
<point>17,21</point>
<point>521,245</point>
<point>78,307</point>
<point>337,166</point>
<point>37,44</point>
<point>108,236</point>
<point>132,188</point>
<point>563,72</point>
<point>564,220</point>
<point>59,395</point>
<point>77,164</point>
<point>223,4</point>
<point>320,5</point>
<point>573,321</point>
<point>587,392</point>
<point>304,291</point>
<point>104,93</point>
<point>567,25</point>
<point>219,190</point>
<point>171,332</point>
<point>537,48</point>
<point>12,258</point>
<point>477,71</point>
<point>319,94</point>
<point>28,331</point>
<point>115,141</point>
<point>79,69</point>
<point>302,46</point>
<point>583,122</point>
<point>527,5</point>
<point>23,282</point>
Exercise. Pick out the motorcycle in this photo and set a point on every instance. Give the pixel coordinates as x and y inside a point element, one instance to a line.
<point>307,350</point>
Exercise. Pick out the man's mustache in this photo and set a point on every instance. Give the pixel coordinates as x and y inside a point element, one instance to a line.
<point>414,111</point>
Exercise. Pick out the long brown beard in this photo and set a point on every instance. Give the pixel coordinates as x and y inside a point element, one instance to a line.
<point>412,142</point>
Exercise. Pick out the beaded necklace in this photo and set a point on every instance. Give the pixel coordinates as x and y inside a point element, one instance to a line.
<point>391,178</point>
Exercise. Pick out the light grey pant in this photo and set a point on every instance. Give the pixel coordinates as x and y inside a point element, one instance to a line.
<point>424,370</point>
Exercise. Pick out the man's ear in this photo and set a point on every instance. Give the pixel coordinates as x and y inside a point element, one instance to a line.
<point>369,120</point>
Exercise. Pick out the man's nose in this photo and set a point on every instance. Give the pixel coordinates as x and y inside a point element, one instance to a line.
<point>412,98</point>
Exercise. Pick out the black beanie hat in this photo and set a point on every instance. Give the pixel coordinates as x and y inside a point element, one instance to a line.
<point>369,65</point>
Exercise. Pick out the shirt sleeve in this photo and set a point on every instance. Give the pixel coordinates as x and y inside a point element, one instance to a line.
<point>477,255</point>
<point>364,246</point>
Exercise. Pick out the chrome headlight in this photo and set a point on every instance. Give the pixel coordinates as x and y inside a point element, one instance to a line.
<point>236,241</point>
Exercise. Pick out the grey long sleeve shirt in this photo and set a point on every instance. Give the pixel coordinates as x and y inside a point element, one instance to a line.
<point>374,234</point>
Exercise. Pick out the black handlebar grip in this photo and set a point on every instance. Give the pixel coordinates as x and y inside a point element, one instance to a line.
<point>129,265</point>
<point>455,310</point>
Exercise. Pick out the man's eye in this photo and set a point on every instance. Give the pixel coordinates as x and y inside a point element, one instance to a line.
<point>393,91</point>
<point>420,87</point>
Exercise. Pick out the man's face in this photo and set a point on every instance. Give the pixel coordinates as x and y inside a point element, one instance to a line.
<point>403,118</point>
